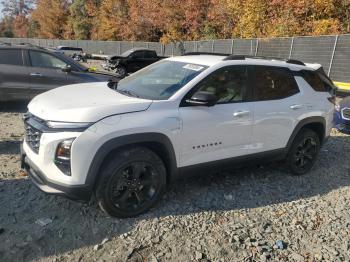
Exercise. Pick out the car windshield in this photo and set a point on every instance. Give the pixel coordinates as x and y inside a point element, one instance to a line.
<point>160,80</point>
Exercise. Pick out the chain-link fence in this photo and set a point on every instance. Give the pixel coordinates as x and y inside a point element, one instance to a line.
<point>333,52</point>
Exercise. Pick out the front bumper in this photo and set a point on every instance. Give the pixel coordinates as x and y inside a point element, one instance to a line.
<point>81,192</point>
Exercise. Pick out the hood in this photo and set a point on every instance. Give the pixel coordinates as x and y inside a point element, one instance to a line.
<point>88,102</point>
<point>100,76</point>
<point>115,57</point>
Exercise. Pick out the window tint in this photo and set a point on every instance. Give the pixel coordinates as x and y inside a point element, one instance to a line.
<point>138,54</point>
<point>149,54</point>
<point>318,81</point>
<point>229,84</point>
<point>11,57</point>
<point>41,59</point>
<point>273,83</point>
<point>313,80</point>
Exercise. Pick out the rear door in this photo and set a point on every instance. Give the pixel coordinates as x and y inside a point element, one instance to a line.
<point>277,104</point>
<point>14,75</point>
<point>136,61</point>
<point>150,57</point>
<point>46,71</point>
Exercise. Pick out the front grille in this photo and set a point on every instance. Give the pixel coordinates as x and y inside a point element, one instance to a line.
<point>346,113</point>
<point>32,136</point>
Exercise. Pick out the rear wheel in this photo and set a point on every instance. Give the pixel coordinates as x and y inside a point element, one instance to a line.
<point>131,183</point>
<point>303,153</point>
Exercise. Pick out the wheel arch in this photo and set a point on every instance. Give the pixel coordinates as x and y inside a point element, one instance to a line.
<point>157,142</point>
<point>315,123</point>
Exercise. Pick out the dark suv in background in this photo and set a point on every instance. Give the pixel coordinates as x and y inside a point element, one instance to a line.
<point>26,71</point>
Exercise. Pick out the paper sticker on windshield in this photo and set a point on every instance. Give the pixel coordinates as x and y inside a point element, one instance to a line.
<point>193,67</point>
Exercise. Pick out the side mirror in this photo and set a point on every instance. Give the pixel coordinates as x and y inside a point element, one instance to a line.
<point>66,69</point>
<point>202,98</point>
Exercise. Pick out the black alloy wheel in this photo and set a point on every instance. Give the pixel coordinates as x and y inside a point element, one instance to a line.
<point>134,186</point>
<point>304,151</point>
<point>131,182</point>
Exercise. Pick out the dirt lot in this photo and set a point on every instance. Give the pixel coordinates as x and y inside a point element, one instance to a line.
<point>260,213</point>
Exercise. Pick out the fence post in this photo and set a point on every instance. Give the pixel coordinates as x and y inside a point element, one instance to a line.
<point>333,53</point>
<point>172,49</point>
<point>256,47</point>
<point>119,47</point>
<point>212,46</point>
<point>291,48</point>
<point>232,42</point>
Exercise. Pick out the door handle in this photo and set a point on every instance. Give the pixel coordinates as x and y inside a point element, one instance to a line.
<point>296,107</point>
<point>240,113</point>
<point>36,74</point>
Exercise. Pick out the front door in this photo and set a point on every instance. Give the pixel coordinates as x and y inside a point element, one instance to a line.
<point>221,131</point>
<point>46,72</point>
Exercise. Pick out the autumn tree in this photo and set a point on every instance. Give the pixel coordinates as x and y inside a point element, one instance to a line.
<point>17,12</point>
<point>92,10</point>
<point>78,22</point>
<point>51,16</point>
<point>112,19</point>
<point>6,29</point>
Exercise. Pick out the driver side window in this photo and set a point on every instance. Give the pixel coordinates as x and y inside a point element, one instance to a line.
<point>41,59</point>
<point>228,84</point>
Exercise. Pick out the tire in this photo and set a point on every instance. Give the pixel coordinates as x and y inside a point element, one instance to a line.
<point>121,71</point>
<point>303,152</point>
<point>131,182</point>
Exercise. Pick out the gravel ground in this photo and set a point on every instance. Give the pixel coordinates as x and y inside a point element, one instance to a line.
<point>260,213</point>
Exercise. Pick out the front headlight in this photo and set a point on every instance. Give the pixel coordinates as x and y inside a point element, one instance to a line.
<point>337,107</point>
<point>62,157</point>
<point>67,125</point>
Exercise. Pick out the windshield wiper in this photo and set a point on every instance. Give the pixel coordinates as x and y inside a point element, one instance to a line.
<point>127,92</point>
<point>113,84</point>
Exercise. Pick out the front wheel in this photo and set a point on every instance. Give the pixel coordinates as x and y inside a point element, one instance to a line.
<point>131,183</point>
<point>121,71</point>
<point>304,151</point>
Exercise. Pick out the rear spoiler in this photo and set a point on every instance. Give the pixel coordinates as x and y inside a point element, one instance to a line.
<point>314,66</point>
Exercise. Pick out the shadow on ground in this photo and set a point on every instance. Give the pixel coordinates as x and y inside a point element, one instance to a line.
<point>75,225</point>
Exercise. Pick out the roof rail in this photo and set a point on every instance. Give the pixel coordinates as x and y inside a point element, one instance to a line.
<point>204,53</point>
<point>243,57</point>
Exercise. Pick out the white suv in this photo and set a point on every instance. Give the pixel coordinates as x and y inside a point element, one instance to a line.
<point>125,142</point>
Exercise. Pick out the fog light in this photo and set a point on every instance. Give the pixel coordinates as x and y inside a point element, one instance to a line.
<point>62,158</point>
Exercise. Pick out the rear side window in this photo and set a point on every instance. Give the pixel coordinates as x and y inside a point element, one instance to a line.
<point>149,54</point>
<point>11,57</point>
<point>318,81</point>
<point>138,54</point>
<point>313,80</point>
<point>273,83</point>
